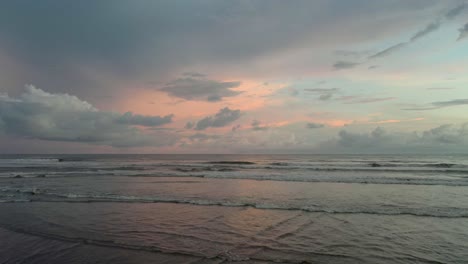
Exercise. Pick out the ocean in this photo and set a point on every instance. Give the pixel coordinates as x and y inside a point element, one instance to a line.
<point>233,209</point>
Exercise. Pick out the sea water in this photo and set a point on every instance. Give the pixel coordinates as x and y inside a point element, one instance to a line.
<point>233,208</point>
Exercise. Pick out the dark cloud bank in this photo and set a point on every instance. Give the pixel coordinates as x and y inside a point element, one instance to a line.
<point>447,138</point>
<point>41,115</point>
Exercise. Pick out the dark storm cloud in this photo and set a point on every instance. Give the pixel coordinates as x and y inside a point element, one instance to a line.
<point>224,117</point>
<point>37,114</point>
<point>441,104</point>
<point>191,88</point>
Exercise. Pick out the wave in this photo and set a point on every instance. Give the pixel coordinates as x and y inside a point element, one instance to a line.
<point>319,178</point>
<point>28,160</point>
<point>373,169</point>
<point>323,179</point>
<point>279,164</point>
<point>39,196</point>
<point>232,162</point>
<point>430,165</point>
<point>195,169</point>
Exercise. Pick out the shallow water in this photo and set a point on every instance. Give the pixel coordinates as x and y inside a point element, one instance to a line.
<point>233,208</point>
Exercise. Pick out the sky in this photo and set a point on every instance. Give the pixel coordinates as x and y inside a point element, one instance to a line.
<point>244,76</point>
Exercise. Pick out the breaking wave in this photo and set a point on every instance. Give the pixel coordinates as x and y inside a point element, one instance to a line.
<point>34,195</point>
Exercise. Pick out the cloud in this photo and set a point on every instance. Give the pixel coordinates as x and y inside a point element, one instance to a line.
<point>427,30</point>
<point>349,139</point>
<point>325,93</point>
<point>159,38</point>
<point>293,91</point>
<point>359,100</point>
<point>463,32</point>
<point>189,125</point>
<point>224,117</point>
<point>235,128</point>
<point>441,104</point>
<point>314,125</point>
<point>62,117</point>
<point>256,125</point>
<point>352,53</point>
<point>446,134</point>
<point>388,50</point>
<point>444,138</point>
<point>340,65</point>
<point>322,90</point>
<point>200,88</point>
<point>373,67</point>
<point>431,27</point>
<point>451,14</point>
<point>194,74</point>
<point>140,120</point>
<point>450,103</point>
<point>325,96</point>
<point>440,88</point>
<point>372,100</point>
<point>202,137</point>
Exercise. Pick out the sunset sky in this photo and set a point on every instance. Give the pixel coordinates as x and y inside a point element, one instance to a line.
<point>210,76</point>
